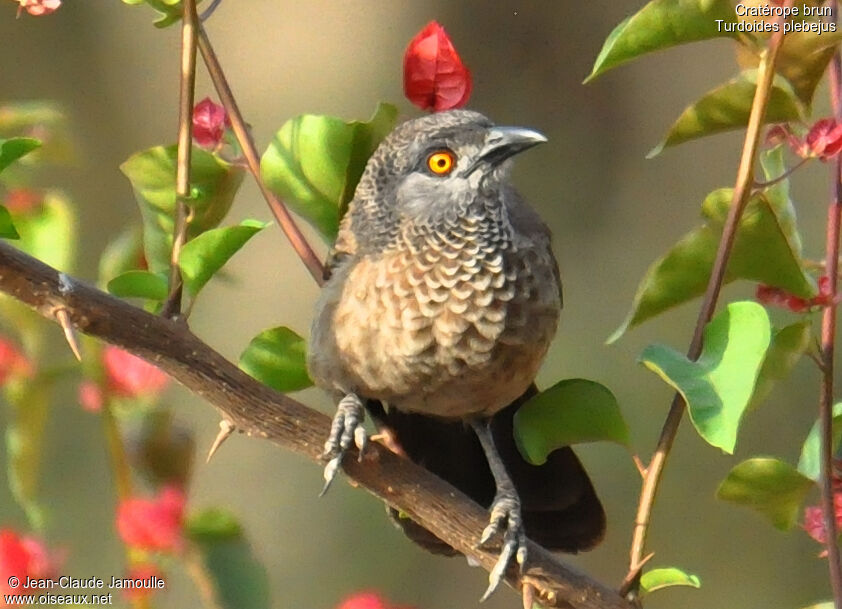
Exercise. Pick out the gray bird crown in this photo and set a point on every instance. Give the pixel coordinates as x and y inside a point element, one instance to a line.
<point>400,198</point>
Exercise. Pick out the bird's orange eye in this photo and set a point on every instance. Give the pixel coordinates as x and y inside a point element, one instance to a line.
<point>441,162</point>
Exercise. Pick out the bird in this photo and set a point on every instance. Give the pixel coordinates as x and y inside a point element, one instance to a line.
<point>442,298</point>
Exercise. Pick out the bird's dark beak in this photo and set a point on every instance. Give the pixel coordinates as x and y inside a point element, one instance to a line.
<point>504,142</point>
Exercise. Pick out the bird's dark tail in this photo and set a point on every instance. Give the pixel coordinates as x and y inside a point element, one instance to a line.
<point>560,508</point>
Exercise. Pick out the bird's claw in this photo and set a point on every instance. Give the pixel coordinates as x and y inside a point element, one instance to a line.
<point>506,517</point>
<point>347,427</point>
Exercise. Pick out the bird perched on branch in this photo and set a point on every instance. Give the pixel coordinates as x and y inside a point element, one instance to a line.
<point>443,298</point>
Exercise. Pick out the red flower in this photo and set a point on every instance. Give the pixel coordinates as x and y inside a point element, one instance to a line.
<point>141,572</point>
<point>209,122</point>
<point>153,523</point>
<point>367,600</point>
<point>363,600</point>
<point>22,557</point>
<point>90,396</point>
<point>129,376</point>
<point>779,134</point>
<point>768,295</point>
<point>22,200</point>
<point>38,7</point>
<point>434,77</point>
<point>814,520</point>
<point>13,363</point>
<point>814,523</point>
<point>824,139</point>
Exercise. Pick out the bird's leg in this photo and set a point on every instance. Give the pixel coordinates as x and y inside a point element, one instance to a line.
<point>505,510</point>
<point>347,427</point>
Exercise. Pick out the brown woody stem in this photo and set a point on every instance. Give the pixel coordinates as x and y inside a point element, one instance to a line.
<point>189,23</point>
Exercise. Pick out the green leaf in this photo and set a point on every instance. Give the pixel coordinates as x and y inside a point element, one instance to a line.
<point>787,346</point>
<point>202,257</point>
<point>767,249</point>
<point>570,412</point>
<point>123,253</point>
<point>728,107</point>
<point>665,577</point>
<point>238,577</point>
<point>768,486</point>
<point>314,163</point>
<point>810,462</point>
<point>50,233</point>
<point>170,11</point>
<point>802,60</point>
<point>7,227</point>
<point>152,174</point>
<point>662,24</point>
<point>277,357</point>
<point>43,117</point>
<point>774,166</point>
<point>213,524</point>
<point>13,149</point>
<point>29,401</point>
<point>139,284</point>
<point>717,387</point>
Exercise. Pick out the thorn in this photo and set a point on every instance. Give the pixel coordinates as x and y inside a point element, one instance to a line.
<point>640,467</point>
<point>69,333</point>
<point>528,595</point>
<point>226,428</point>
<point>631,578</point>
<point>386,436</point>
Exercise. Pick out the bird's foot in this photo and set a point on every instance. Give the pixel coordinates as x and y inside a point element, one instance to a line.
<point>347,427</point>
<point>505,517</point>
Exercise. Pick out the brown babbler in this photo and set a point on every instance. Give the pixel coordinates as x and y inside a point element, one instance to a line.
<point>443,298</point>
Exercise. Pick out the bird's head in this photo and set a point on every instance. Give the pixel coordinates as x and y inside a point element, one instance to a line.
<point>441,162</point>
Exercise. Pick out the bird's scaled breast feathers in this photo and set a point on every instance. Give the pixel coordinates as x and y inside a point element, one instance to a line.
<point>449,322</point>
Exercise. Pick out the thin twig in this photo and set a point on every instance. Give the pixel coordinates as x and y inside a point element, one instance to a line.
<point>206,14</point>
<point>189,23</point>
<point>783,176</point>
<point>241,132</point>
<point>834,218</point>
<point>257,410</point>
<point>742,192</point>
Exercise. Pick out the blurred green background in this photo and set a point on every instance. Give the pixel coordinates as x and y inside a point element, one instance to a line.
<point>612,213</point>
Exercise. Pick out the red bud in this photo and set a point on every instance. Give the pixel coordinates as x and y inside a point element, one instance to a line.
<point>434,77</point>
<point>824,139</point>
<point>209,120</point>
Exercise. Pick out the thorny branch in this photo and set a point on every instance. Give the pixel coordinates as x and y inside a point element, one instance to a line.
<point>257,410</point>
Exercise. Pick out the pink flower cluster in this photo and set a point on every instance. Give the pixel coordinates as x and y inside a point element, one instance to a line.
<point>153,523</point>
<point>126,376</point>
<point>823,140</point>
<point>38,7</point>
<point>778,297</point>
<point>23,557</point>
